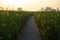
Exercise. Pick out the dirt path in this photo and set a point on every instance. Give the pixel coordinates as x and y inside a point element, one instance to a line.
<point>30,31</point>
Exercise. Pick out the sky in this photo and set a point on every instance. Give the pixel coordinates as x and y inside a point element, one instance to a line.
<point>29,5</point>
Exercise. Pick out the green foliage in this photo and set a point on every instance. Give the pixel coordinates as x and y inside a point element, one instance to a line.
<point>11,22</point>
<point>48,24</point>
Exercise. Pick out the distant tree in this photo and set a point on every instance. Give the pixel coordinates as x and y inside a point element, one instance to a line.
<point>53,9</point>
<point>1,8</point>
<point>48,9</point>
<point>42,9</point>
<point>57,9</point>
<point>19,9</point>
<point>7,8</point>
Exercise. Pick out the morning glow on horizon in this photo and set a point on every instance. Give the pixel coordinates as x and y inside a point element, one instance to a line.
<point>30,5</point>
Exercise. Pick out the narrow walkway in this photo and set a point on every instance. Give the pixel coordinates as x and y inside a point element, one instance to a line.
<point>30,31</point>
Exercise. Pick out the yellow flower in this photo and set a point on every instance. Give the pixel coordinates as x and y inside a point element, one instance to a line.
<point>7,14</point>
<point>4,24</point>
<point>48,28</point>
<point>1,38</point>
<point>3,19</point>
<point>17,14</point>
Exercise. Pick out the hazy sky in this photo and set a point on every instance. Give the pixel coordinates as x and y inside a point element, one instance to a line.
<point>30,4</point>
